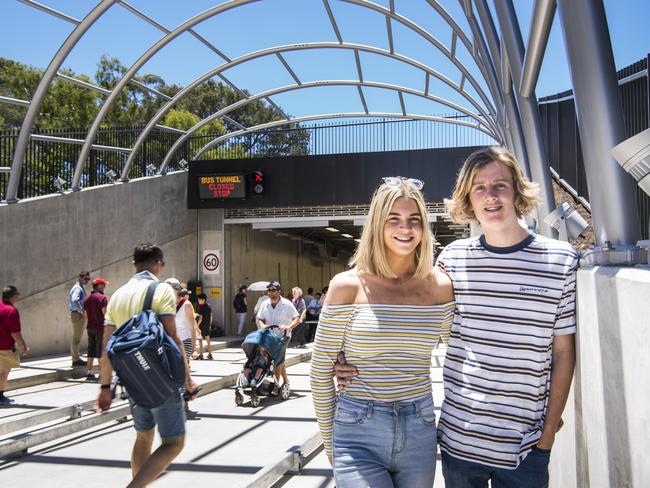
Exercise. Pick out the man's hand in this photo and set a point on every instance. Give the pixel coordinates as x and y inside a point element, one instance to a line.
<point>192,388</point>
<point>104,401</point>
<point>284,328</point>
<point>344,372</point>
<point>25,349</point>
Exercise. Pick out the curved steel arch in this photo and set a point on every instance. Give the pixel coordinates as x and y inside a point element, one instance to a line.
<point>345,115</point>
<point>435,42</point>
<point>312,84</point>
<point>41,90</point>
<point>290,47</point>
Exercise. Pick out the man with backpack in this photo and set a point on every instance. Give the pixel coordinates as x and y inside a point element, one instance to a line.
<point>169,417</point>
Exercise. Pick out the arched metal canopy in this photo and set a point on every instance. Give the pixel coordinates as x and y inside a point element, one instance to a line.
<point>507,114</point>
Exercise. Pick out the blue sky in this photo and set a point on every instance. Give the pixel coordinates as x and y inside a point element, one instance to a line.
<point>31,36</point>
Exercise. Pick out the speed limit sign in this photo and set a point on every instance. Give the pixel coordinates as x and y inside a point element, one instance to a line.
<point>211,262</point>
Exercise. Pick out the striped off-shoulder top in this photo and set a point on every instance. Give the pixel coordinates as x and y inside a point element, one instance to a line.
<point>390,345</point>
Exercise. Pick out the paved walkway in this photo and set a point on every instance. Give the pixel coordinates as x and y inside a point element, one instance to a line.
<point>225,445</point>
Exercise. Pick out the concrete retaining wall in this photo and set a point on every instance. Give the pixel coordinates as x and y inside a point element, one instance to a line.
<point>45,242</point>
<point>605,438</point>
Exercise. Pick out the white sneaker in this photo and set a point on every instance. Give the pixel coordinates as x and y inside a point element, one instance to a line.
<point>253,383</point>
<point>244,382</point>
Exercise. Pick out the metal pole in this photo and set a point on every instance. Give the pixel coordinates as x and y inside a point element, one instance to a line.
<point>537,158</point>
<point>512,111</point>
<point>537,39</point>
<point>600,120</point>
<point>41,91</point>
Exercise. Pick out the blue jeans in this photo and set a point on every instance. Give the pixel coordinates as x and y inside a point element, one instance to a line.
<point>382,445</point>
<point>532,472</point>
<point>169,417</point>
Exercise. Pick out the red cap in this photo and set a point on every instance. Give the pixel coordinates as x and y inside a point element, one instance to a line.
<point>100,281</point>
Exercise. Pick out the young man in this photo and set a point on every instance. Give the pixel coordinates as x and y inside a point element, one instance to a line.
<point>10,335</point>
<point>77,316</point>
<point>240,303</point>
<point>204,312</point>
<point>170,416</point>
<point>95,309</point>
<point>511,352</point>
<point>279,311</point>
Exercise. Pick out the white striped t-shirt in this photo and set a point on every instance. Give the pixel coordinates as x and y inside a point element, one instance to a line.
<point>510,302</point>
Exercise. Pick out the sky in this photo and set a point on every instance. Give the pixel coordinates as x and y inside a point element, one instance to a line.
<point>33,37</point>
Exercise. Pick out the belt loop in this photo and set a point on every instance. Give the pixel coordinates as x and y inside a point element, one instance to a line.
<point>371,409</point>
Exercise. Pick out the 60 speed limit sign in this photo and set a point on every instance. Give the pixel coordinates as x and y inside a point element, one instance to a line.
<point>211,262</point>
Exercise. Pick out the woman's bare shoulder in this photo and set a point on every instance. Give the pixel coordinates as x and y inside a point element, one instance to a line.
<point>443,286</point>
<point>343,288</point>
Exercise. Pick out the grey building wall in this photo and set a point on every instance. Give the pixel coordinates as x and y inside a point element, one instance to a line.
<point>45,242</point>
<point>252,256</point>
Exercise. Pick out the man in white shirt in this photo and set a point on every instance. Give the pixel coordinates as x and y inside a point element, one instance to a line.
<point>280,312</point>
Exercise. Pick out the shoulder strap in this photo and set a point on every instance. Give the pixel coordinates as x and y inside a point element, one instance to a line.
<point>148,298</point>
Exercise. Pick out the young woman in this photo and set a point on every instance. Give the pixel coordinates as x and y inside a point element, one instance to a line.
<point>386,314</point>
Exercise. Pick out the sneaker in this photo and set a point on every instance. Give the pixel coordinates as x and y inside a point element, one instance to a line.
<point>91,377</point>
<point>78,362</point>
<point>244,382</point>
<point>210,357</point>
<point>6,401</point>
<point>253,383</point>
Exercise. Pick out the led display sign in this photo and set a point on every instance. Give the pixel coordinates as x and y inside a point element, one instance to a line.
<point>221,186</point>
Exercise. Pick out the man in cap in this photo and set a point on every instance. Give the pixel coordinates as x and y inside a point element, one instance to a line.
<point>280,312</point>
<point>95,309</point>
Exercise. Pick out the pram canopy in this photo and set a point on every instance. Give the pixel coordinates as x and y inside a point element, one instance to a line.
<point>270,341</point>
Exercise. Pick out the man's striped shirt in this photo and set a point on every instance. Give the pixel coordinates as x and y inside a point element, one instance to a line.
<point>510,303</point>
<point>389,344</point>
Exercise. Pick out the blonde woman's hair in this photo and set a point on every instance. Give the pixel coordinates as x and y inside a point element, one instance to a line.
<point>526,192</point>
<point>296,289</point>
<point>370,256</point>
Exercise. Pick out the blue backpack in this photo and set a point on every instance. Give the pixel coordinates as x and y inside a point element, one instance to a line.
<point>147,361</point>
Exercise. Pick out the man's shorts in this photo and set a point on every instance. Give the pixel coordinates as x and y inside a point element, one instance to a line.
<point>94,343</point>
<point>205,329</point>
<point>169,417</point>
<point>9,359</point>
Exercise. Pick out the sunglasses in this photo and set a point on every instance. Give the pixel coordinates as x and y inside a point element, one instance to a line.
<point>397,180</point>
<point>271,289</point>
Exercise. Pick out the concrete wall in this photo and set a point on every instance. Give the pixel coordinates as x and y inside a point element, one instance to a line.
<point>252,255</point>
<point>45,242</point>
<point>605,439</point>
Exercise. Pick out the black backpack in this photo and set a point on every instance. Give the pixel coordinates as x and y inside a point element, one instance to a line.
<point>147,360</point>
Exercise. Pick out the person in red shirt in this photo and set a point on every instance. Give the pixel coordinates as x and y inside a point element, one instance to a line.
<point>95,307</point>
<point>9,336</point>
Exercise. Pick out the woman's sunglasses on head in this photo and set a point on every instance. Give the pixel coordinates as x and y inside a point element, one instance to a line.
<point>397,180</point>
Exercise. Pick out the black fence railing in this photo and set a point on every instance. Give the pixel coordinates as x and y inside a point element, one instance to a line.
<point>562,138</point>
<point>45,161</point>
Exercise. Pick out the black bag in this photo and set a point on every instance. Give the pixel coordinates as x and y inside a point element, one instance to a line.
<point>147,361</point>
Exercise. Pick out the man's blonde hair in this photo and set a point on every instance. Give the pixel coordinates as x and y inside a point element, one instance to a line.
<point>526,192</point>
<point>370,256</point>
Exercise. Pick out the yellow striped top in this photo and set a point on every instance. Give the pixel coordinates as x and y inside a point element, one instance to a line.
<point>390,345</point>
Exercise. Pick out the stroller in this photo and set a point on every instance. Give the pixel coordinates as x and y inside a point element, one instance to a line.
<point>262,386</point>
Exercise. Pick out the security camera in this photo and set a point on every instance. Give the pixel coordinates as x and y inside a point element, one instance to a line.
<point>634,155</point>
<point>151,169</point>
<point>182,164</point>
<point>111,176</point>
<point>567,222</point>
<point>59,184</point>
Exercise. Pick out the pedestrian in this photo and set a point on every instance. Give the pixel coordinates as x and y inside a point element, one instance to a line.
<point>95,309</point>
<point>204,312</point>
<point>10,335</point>
<point>313,312</point>
<point>299,303</point>
<point>169,418</point>
<point>185,322</point>
<point>240,303</point>
<point>77,316</point>
<point>387,314</point>
<point>280,313</point>
<point>511,352</point>
<point>308,298</point>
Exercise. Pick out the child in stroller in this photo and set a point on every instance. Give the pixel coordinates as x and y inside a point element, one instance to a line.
<point>263,351</point>
<point>256,369</point>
